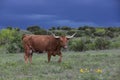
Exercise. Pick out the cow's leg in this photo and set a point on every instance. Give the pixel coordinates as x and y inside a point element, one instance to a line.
<point>26,53</point>
<point>30,58</point>
<point>60,59</point>
<point>26,57</point>
<point>30,55</point>
<point>49,56</point>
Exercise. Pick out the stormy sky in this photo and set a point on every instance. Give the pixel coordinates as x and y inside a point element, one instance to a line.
<point>47,13</point>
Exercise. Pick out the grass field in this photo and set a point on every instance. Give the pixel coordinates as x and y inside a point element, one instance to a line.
<point>89,65</point>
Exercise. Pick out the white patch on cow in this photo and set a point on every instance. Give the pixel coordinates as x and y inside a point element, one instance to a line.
<point>30,51</point>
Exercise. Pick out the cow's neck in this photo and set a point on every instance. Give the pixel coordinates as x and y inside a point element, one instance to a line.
<point>58,45</point>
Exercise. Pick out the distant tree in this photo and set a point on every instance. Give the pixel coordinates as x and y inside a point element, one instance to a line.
<point>113,29</point>
<point>9,27</point>
<point>83,27</point>
<point>37,30</point>
<point>65,28</point>
<point>17,29</point>
<point>58,28</point>
<point>33,28</point>
<point>41,31</point>
<point>52,28</point>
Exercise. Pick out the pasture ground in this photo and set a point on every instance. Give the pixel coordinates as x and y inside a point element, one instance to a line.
<point>89,65</point>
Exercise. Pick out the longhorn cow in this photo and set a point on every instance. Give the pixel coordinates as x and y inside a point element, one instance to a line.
<point>51,44</point>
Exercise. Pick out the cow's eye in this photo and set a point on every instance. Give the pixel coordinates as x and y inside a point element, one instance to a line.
<point>68,38</point>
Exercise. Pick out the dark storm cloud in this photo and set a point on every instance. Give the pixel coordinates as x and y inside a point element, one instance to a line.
<point>48,13</point>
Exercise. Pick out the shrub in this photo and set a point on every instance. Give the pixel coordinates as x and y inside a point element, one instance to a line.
<point>15,47</point>
<point>90,46</point>
<point>77,44</point>
<point>115,43</point>
<point>89,43</point>
<point>109,34</point>
<point>101,43</point>
<point>12,48</point>
<point>82,44</point>
<point>11,40</point>
<point>6,35</point>
<point>100,32</point>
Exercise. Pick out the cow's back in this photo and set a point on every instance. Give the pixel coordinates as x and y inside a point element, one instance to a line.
<point>42,42</point>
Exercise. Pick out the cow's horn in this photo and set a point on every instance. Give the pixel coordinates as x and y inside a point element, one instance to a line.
<point>71,36</point>
<point>54,35</point>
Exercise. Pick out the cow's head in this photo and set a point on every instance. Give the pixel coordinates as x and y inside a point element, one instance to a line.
<point>63,39</point>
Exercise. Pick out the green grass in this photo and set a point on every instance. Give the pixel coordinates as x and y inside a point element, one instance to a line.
<point>12,66</point>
